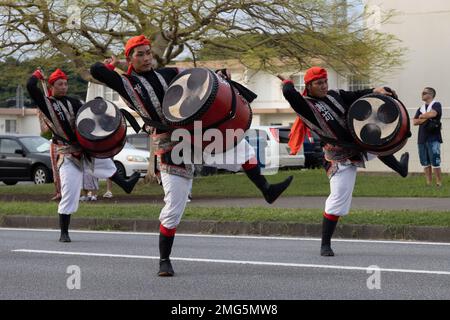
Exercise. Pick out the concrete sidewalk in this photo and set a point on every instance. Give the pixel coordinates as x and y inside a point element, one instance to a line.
<point>426,204</point>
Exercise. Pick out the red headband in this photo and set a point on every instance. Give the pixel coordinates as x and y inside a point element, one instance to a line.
<point>135,42</point>
<point>315,73</point>
<point>58,74</point>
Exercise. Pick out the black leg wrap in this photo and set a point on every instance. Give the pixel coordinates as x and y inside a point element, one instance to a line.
<point>328,227</point>
<point>270,191</point>
<point>64,221</point>
<point>401,167</point>
<point>126,184</point>
<point>165,248</point>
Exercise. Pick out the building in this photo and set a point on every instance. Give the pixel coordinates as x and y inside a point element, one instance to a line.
<point>19,120</point>
<point>424,30</point>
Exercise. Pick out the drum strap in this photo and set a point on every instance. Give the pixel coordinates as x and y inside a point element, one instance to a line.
<point>54,123</point>
<point>131,120</point>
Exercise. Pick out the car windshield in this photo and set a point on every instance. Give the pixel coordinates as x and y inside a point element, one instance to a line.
<point>36,144</point>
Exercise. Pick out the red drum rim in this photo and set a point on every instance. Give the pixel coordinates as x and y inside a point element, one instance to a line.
<point>394,131</point>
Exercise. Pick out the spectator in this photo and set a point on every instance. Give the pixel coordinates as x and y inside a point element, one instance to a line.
<point>90,187</point>
<point>108,193</point>
<point>428,118</point>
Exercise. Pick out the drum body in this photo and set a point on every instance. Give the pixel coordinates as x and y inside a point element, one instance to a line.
<point>379,124</point>
<point>100,128</point>
<point>199,94</point>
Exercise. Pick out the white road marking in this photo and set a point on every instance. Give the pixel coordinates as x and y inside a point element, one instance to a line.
<point>258,263</point>
<point>234,236</point>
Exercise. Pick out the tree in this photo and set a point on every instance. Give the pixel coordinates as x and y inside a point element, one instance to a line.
<point>14,72</point>
<point>262,34</point>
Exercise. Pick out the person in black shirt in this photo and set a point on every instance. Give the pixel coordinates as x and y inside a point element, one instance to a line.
<point>429,139</point>
<point>143,89</point>
<point>59,112</point>
<point>324,111</point>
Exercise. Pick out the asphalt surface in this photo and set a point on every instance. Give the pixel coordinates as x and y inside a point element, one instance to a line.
<point>116,265</point>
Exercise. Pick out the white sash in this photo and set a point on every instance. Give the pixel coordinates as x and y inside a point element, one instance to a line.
<point>424,108</point>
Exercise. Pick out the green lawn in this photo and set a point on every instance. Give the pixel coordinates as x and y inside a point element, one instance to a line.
<point>146,211</point>
<point>305,183</point>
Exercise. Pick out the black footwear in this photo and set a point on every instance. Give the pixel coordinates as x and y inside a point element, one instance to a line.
<point>270,191</point>
<point>326,251</point>
<point>126,184</point>
<point>64,221</point>
<point>401,167</point>
<point>328,227</point>
<point>165,268</point>
<point>64,238</point>
<point>165,249</point>
<point>275,190</point>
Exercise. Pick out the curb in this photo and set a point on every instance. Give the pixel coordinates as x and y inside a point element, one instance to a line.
<point>348,231</point>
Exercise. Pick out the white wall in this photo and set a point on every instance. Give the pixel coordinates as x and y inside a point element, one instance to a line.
<point>28,124</point>
<point>424,29</point>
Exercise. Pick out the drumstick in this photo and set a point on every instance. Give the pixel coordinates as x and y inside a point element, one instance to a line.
<point>43,83</point>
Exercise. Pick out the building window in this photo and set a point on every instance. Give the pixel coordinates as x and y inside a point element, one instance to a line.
<point>111,95</point>
<point>358,83</point>
<point>299,84</point>
<point>10,126</point>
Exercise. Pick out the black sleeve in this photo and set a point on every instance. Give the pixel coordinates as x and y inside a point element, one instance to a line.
<point>37,95</point>
<point>110,78</point>
<point>297,102</point>
<point>438,108</point>
<point>76,104</point>
<point>417,114</point>
<point>351,96</point>
<point>168,73</point>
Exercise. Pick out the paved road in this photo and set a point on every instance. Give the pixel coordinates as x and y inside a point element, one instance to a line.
<point>123,266</point>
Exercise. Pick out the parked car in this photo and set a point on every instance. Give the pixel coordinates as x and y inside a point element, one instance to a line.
<point>130,160</point>
<point>270,143</point>
<point>139,141</point>
<point>25,158</point>
<point>312,150</point>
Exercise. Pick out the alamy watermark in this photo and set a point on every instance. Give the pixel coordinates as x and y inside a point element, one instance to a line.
<point>74,280</point>
<point>374,280</point>
<point>213,147</point>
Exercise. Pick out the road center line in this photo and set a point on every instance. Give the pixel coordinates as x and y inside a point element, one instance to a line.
<point>257,263</point>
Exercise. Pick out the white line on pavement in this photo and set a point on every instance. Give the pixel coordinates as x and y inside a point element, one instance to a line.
<point>234,236</point>
<point>258,263</point>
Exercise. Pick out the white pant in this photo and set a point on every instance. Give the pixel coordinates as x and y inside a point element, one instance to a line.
<point>72,181</point>
<point>342,184</point>
<point>341,189</point>
<point>177,189</point>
